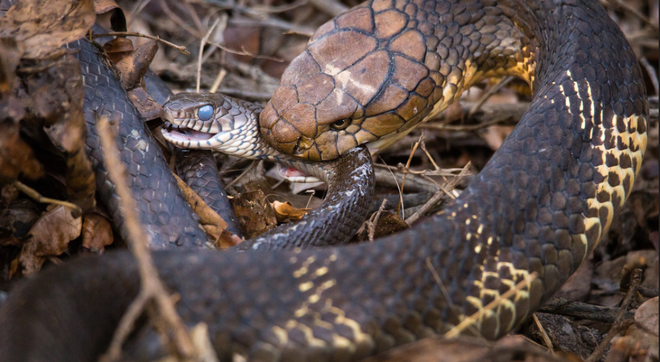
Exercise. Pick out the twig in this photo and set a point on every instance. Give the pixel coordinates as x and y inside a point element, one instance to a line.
<point>239,93</point>
<point>252,165</point>
<point>439,194</point>
<point>371,224</point>
<point>151,286</point>
<point>428,155</point>
<point>432,201</point>
<point>465,128</point>
<point>445,294</point>
<point>202,43</point>
<point>216,83</point>
<point>275,23</point>
<point>652,74</point>
<point>503,82</point>
<point>36,196</point>
<point>450,172</point>
<point>454,332</point>
<point>180,48</point>
<point>622,5</point>
<point>620,323</point>
<point>330,7</point>
<point>544,334</point>
<point>581,310</point>
<point>177,20</point>
<point>245,52</point>
<point>407,167</point>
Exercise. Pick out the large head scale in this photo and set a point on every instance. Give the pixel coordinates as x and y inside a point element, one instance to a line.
<point>361,79</point>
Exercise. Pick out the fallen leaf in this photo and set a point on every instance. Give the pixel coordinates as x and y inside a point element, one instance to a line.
<point>644,331</point>
<point>578,286</point>
<point>16,157</point>
<point>212,223</point>
<point>50,236</point>
<point>254,213</point>
<point>57,94</point>
<point>44,26</point>
<point>285,211</point>
<point>495,135</point>
<point>103,6</point>
<point>17,218</point>
<point>96,233</point>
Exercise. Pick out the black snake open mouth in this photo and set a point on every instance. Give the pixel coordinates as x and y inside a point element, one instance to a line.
<point>184,136</point>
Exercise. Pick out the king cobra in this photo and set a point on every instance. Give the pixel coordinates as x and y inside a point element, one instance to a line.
<point>539,206</point>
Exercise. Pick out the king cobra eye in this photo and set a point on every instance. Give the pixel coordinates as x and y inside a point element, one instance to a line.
<point>340,124</point>
<point>205,112</point>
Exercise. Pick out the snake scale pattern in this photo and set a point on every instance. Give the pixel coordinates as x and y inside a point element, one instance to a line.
<point>539,206</point>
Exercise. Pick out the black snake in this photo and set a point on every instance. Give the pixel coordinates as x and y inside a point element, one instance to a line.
<point>539,206</point>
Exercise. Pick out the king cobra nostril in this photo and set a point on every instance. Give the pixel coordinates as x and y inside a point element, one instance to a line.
<point>304,144</point>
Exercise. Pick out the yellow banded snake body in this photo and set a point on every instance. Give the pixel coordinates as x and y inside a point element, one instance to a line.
<point>540,205</point>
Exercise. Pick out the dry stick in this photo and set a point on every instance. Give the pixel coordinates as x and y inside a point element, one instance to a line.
<point>216,83</point>
<point>139,6</point>
<point>652,74</point>
<point>407,167</point>
<point>371,224</point>
<point>435,165</point>
<point>252,165</point>
<point>330,7</point>
<point>581,310</point>
<point>445,294</point>
<point>438,195</point>
<point>180,48</point>
<point>546,339</point>
<point>239,93</point>
<point>245,52</point>
<point>36,196</point>
<point>454,332</point>
<point>275,23</point>
<point>151,286</point>
<point>620,324</point>
<point>202,43</point>
<point>503,82</point>
<point>270,9</point>
<point>465,128</point>
<point>446,172</point>
<point>182,24</point>
<point>192,14</point>
<point>620,4</point>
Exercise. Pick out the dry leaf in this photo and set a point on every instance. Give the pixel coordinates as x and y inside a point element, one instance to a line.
<point>16,219</point>
<point>495,135</point>
<point>44,26</point>
<point>254,213</point>
<point>16,157</point>
<point>644,331</point>
<point>50,236</point>
<point>285,211</point>
<point>212,223</point>
<point>57,94</point>
<point>96,233</point>
<point>103,6</point>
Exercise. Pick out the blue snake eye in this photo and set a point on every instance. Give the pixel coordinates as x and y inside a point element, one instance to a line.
<point>205,112</point>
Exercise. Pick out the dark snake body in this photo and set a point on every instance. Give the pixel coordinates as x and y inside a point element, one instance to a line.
<point>164,212</point>
<point>540,205</point>
<point>197,169</point>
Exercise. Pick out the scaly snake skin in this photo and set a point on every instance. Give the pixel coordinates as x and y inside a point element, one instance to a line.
<point>540,205</point>
<point>233,130</point>
<point>165,213</point>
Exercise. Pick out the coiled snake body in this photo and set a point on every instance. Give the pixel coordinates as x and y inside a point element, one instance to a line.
<point>540,205</point>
